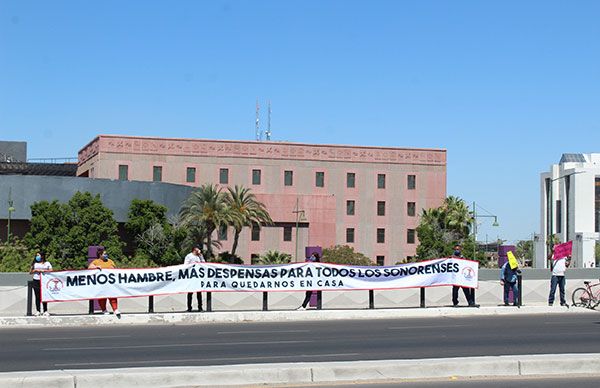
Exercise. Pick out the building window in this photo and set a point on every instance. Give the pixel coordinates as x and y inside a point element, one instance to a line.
<point>380,235</point>
<point>256,177</point>
<point>411,209</point>
<point>224,176</point>
<point>411,184</point>
<point>350,179</point>
<point>287,233</point>
<point>410,236</point>
<point>157,173</point>
<point>559,216</point>
<point>222,235</point>
<point>190,175</point>
<point>320,179</point>
<point>381,181</point>
<point>288,178</point>
<point>381,260</point>
<point>350,205</point>
<point>349,235</point>
<point>123,172</point>
<point>381,208</point>
<point>255,233</point>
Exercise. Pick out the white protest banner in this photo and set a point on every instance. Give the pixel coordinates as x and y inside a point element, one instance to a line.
<point>117,283</point>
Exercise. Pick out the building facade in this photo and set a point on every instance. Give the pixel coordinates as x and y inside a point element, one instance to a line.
<point>318,195</point>
<point>570,208</point>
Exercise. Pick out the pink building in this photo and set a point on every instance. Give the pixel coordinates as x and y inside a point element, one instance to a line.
<point>366,197</point>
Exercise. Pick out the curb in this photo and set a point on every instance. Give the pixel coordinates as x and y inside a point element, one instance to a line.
<point>277,316</point>
<point>308,373</point>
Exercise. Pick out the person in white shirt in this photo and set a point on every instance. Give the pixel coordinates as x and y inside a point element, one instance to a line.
<point>194,257</point>
<point>38,266</point>
<point>559,266</point>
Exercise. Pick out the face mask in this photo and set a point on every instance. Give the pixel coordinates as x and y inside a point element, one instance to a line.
<point>38,258</point>
<point>456,253</point>
<point>105,257</point>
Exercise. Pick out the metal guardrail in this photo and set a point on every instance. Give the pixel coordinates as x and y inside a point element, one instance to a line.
<point>265,300</point>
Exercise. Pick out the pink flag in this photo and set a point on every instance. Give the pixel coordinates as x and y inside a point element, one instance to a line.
<point>563,250</point>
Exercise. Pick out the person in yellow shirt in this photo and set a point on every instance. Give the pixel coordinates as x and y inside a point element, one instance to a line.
<point>104,262</point>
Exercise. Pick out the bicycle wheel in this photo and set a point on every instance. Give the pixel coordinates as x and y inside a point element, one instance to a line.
<point>581,297</point>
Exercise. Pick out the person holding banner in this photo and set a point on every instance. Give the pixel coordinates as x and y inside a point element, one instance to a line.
<point>508,279</point>
<point>194,257</point>
<point>559,266</point>
<point>469,292</point>
<point>39,266</point>
<point>103,262</point>
<point>314,258</point>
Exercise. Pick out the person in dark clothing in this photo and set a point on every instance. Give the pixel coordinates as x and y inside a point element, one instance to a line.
<point>508,278</point>
<point>469,292</point>
<point>314,258</point>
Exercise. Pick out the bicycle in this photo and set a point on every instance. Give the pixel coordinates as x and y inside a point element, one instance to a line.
<point>585,297</point>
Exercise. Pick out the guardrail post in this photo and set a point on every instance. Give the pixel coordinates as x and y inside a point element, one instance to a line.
<point>29,297</point>
<point>319,300</point>
<point>371,299</point>
<point>265,301</point>
<point>151,304</point>
<point>520,287</point>
<point>91,306</point>
<point>422,297</point>
<point>209,302</point>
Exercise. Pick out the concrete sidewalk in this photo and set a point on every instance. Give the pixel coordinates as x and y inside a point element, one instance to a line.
<point>310,373</point>
<point>279,316</point>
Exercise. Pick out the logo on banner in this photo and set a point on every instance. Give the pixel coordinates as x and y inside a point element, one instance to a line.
<point>55,285</point>
<point>468,273</point>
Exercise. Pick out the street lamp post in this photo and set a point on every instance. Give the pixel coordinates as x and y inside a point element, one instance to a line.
<point>10,210</point>
<point>299,217</point>
<point>475,216</point>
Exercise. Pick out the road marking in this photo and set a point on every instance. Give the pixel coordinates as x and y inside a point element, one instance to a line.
<point>179,345</point>
<point>209,359</point>
<point>263,332</point>
<point>72,338</point>
<point>425,327</point>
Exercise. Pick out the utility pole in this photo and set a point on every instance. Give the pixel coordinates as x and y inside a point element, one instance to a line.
<point>299,216</point>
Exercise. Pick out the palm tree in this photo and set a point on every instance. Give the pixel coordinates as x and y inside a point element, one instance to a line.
<point>274,257</point>
<point>206,209</point>
<point>247,211</point>
<point>459,217</point>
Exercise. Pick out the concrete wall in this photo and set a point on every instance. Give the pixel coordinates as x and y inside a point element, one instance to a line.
<point>536,284</point>
<point>13,151</point>
<point>116,195</point>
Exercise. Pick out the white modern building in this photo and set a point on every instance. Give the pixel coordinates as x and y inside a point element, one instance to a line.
<point>570,208</point>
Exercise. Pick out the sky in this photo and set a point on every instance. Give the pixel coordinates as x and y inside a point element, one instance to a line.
<point>505,87</point>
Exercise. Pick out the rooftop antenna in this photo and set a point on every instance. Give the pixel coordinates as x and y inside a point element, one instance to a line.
<point>258,131</point>
<point>268,131</point>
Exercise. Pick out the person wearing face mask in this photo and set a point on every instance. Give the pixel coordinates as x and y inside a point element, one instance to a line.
<point>469,292</point>
<point>39,266</point>
<point>104,262</point>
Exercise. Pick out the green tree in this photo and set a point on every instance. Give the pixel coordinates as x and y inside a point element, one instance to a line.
<point>247,210</point>
<point>525,250</point>
<point>344,254</point>
<point>274,257</point>
<point>144,214</point>
<point>15,257</point>
<point>205,210</point>
<point>597,253</point>
<point>441,228</point>
<point>64,231</point>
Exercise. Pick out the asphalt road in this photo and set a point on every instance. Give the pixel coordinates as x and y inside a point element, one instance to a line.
<point>245,343</point>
